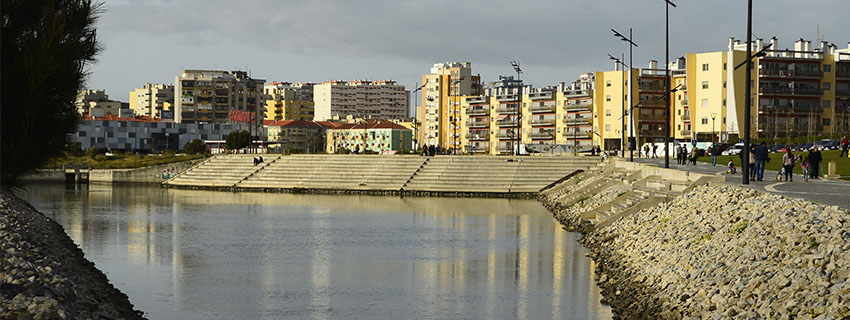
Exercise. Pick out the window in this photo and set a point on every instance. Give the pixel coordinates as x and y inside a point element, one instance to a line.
<point>608,98</point>
<point>679,127</point>
<point>826,121</point>
<point>724,84</point>
<point>608,112</point>
<point>827,86</point>
<point>827,68</point>
<point>724,102</point>
<point>607,127</point>
<point>679,112</point>
<point>724,120</point>
<point>705,84</point>
<point>826,104</point>
<point>705,67</point>
<point>724,66</point>
<point>704,120</point>
<point>705,102</point>
<point>608,83</point>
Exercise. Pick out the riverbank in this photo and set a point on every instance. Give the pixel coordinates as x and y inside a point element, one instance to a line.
<point>717,252</point>
<point>46,276</point>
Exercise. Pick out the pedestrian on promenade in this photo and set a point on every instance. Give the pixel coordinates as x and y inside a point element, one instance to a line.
<point>805,166</point>
<point>814,162</point>
<point>761,159</point>
<point>714,154</point>
<point>752,162</point>
<point>845,144</point>
<point>788,164</point>
<point>654,151</point>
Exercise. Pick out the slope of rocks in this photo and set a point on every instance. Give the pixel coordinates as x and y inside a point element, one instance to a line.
<point>722,252</point>
<point>44,274</point>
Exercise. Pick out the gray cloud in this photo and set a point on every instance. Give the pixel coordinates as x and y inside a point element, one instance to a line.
<point>301,40</point>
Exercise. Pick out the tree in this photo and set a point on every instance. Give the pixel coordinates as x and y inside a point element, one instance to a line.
<point>46,48</point>
<point>237,140</point>
<point>194,147</point>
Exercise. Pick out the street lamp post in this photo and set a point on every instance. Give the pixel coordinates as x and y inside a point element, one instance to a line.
<point>667,83</point>
<point>518,135</point>
<point>631,119</point>
<point>713,116</point>
<point>623,95</point>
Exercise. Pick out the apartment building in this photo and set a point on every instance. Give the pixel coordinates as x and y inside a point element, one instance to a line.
<point>360,99</point>
<point>501,122</point>
<point>145,134</point>
<point>97,103</point>
<point>289,101</point>
<point>153,100</point>
<point>297,136</point>
<point>381,136</point>
<point>443,90</point>
<point>209,96</point>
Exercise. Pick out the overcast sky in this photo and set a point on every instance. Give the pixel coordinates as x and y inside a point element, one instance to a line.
<point>319,40</point>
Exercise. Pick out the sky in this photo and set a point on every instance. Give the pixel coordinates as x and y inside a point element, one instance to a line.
<point>319,40</point>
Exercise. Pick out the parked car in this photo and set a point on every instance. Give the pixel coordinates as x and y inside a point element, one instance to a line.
<point>804,146</point>
<point>778,148</point>
<point>733,150</point>
<point>823,144</point>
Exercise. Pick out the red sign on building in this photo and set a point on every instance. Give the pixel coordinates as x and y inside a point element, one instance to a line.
<point>242,116</point>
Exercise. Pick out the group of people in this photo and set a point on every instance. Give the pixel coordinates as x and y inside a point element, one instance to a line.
<point>759,157</point>
<point>650,151</point>
<point>684,158</point>
<point>258,160</point>
<point>430,150</point>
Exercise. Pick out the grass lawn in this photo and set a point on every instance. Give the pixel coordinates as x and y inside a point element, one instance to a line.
<point>122,161</point>
<point>842,166</point>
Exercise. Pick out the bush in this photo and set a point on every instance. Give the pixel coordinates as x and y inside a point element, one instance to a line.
<point>194,147</point>
<point>237,140</point>
<point>167,153</point>
<point>100,157</point>
<point>93,151</point>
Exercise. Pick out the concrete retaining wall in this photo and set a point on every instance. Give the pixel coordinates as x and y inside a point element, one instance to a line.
<point>153,174</point>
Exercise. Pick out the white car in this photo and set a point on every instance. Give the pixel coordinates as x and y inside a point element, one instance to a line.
<point>733,150</point>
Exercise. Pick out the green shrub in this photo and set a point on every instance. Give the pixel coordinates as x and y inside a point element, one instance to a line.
<point>194,147</point>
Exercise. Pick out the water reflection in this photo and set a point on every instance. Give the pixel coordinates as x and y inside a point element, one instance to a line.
<point>191,254</point>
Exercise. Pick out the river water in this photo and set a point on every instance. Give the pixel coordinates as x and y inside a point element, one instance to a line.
<point>182,254</point>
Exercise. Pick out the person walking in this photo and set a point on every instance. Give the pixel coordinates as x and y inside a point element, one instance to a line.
<point>761,158</point>
<point>752,162</point>
<point>814,163</point>
<point>788,164</point>
<point>845,144</point>
<point>654,151</point>
<point>805,165</point>
<point>714,154</point>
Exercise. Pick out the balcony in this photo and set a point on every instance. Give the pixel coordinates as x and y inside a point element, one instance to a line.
<point>542,122</point>
<point>791,73</point>
<point>477,111</point>
<point>507,123</point>
<point>652,103</point>
<point>578,93</point>
<point>543,108</point>
<point>578,121</point>
<point>842,93</point>
<point>650,87</point>
<point>507,110</point>
<point>482,99</point>
<point>477,149</point>
<point>684,132</point>
<point>477,124</point>
<point>842,75</point>
<point>478,135</point>
<point>578,107</point>
<point>541,95</point>
<point>504,135</point>
<point>578,134</point>
<point>542,135</point>
<point>685,117</point>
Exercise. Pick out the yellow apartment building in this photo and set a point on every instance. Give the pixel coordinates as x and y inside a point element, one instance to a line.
<point>288,101</point>
<point>152,99</point>
<point>443,90</point>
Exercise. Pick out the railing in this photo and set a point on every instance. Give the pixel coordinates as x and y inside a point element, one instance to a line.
<point>478,136</point>
<point>586,106</point>
<point>686,117</point>
<point>477,149</point>
<point>651,87</point>
<point>577,121</point>
<point>476,111</point>
<point>542,122</point>
<point>843,93</point>
<point>507,110</point>
<point>477,124</point>
<point>506,123</point>
<point>579,135</point>
<point>504,135</point>
<point>652,102</point>
<point>685,132</point>
<point>842,75</point>
<point>543,108</point>
<point>791,73</point>
<point>543,135</point>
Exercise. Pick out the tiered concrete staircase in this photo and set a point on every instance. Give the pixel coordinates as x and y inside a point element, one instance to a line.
<point>345,172</point>
<point>220,171</point>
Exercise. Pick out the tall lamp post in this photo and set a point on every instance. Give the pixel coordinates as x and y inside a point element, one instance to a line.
<point>518,135</point>
<point>623,95</point>
<point>631,119</point>
<point>667,82</point>
<point>713,133</point>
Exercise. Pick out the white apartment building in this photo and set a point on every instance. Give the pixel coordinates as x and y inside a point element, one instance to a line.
<point>209,95</point>
<point>96,101</point>
<point>360,99</point>
<point>153,100</point>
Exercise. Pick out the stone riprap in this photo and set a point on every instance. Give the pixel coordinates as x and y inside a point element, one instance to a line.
<point>721,252</point>
<point>45,275</point>
<point>570,216</point>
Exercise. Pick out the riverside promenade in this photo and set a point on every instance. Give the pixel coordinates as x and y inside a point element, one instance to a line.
<point>825,191</point>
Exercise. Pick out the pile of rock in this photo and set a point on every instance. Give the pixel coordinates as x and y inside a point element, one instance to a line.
<point>723,251</point>
<point>571,216</point>
<point>44,274</point>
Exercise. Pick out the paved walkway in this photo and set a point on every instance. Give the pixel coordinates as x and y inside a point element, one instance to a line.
<point>825,191</point>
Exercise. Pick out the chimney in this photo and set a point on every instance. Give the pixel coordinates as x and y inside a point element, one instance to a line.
<point>732,43</point>
<point>774,43</point>
<point>653,64</point>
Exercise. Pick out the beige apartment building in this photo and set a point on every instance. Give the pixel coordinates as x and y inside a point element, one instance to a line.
<point>96,103</point>
<point>152,99</point>
<point>360,99</point>
<point>499,121</point>
<point>289,101</point>
<point>209,95</point>
<point>443,90</point>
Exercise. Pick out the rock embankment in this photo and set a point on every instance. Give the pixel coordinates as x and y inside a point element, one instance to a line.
<point>44,274</point>
<point>723,252</point>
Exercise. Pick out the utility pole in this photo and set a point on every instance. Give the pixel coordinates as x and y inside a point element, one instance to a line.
<point>667,90</point>
<point>745,163</point>
<point>515,65</point>
<point>630,91</point>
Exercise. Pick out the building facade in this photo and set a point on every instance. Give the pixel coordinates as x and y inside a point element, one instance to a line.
<point>208,96</point>
<point>297,136</point>
<point>97,103</point>
<point>384,137</point>
<point>439,114</point>
<point>360,99</point>
<point>145,134</point>
<point>153,100</point>
<point>289,101</point>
